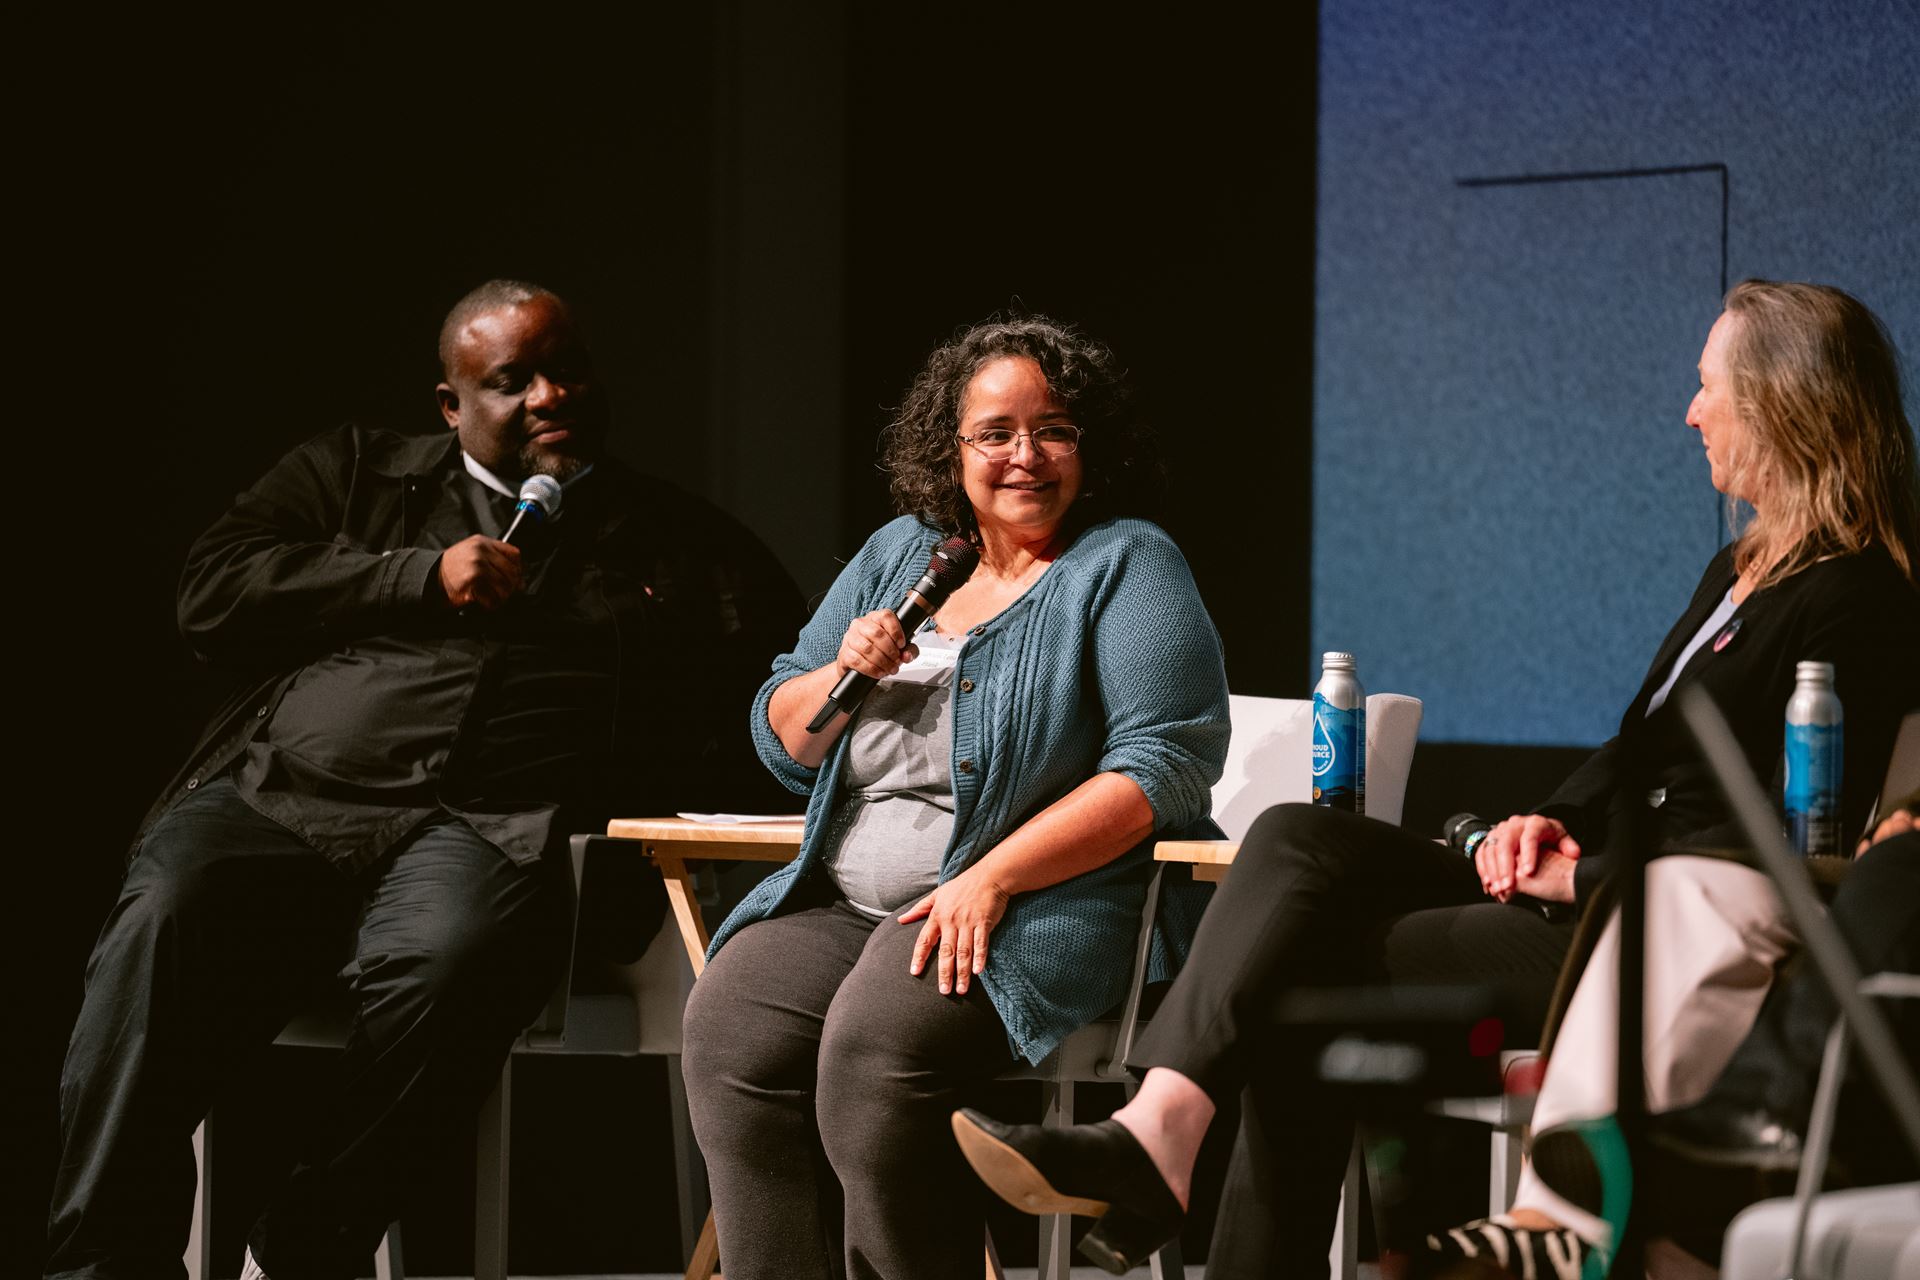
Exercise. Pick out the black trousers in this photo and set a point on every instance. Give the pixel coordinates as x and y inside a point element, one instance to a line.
<point>1877,911</point>
<point>822,1078</point>
<point>226,925</point>
<point>1319,897</point>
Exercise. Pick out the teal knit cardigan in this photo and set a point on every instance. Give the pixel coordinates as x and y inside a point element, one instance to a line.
<point>1108,663</point>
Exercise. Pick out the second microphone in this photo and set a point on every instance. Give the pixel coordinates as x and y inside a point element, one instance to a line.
<point>952,563</point>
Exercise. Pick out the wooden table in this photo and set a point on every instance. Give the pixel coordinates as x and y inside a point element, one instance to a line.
<point>1208,858</point>
<point>672,843</point>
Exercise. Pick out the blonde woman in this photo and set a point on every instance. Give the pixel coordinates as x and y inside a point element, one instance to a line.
<point>1799,410</point>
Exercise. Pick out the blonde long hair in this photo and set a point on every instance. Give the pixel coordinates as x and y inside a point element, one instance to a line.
<point>1816,382</point>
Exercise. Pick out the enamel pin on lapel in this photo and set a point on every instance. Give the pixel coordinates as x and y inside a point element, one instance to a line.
<point>1726,635</point>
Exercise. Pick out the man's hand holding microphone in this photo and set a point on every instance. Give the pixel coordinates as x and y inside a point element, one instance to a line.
<point>479,572</point>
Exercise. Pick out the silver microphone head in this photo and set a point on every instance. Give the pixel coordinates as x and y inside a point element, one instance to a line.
<point>542,494</point>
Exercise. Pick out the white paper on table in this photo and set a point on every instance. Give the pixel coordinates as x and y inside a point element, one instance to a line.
<point>729,819</point>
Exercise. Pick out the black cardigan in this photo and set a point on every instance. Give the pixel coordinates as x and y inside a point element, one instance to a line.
<point>1858,612</point>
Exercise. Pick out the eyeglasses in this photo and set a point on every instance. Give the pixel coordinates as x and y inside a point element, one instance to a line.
<point>997,443</point>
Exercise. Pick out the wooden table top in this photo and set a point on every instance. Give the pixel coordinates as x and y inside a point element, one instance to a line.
<point>1205,853</point>
<point>757,841</point>
<point>744,841</point>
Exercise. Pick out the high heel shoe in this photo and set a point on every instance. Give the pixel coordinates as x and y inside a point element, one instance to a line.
<point>1700,1167</point>
<point>1094,1170</point>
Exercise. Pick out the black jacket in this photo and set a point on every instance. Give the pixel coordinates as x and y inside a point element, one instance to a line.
<point>323,550</point>
<point>1858,612</point>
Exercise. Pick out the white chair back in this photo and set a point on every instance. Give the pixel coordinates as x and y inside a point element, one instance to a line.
<point>1269,760</point>
<point>1393,726</point>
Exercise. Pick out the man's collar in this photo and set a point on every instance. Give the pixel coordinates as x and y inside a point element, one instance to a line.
<point>498,485</point>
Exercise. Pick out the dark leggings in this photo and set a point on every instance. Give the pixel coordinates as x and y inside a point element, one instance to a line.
<point>821,1077</point>
<point>1317,896</point>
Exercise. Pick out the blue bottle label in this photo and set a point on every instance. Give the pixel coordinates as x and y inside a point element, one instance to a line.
<point>1812,791</point>
<point>1339,756</point>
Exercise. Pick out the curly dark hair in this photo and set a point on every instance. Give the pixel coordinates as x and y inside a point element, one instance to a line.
<point>920,448</point>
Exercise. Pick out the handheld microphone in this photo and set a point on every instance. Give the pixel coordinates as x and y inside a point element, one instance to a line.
<point>1463,832</point>
<point>539,499</point>
<point>952,564</point>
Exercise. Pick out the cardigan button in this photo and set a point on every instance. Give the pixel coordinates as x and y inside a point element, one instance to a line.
<point>965,766</point>
<point>980,630</point>
<point>192,783</point>
<point>966,686</point>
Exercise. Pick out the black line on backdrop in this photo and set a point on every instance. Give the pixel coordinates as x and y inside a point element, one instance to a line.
<point>1609,175</point>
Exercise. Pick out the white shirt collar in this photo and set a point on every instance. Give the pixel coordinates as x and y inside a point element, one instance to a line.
<point>498,485</point>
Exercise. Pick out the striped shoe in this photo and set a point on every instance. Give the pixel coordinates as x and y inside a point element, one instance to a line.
<point>1497,1244</point>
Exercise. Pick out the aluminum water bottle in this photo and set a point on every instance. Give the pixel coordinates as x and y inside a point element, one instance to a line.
<point>1813,762</point>
<point>1339,736</point>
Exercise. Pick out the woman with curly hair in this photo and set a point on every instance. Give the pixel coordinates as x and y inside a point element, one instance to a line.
<point>1805,429</point>
<point>978,833</point>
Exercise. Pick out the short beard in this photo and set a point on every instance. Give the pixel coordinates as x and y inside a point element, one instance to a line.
<point>561,466</point>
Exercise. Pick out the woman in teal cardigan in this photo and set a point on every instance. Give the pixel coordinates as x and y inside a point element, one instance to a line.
<point>978,834</point>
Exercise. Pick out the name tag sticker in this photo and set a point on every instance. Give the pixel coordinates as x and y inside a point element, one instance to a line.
<point>934,664</point>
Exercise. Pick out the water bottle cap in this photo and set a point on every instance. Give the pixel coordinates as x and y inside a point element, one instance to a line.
<point>1819,671</point>
<point>1337,660</point>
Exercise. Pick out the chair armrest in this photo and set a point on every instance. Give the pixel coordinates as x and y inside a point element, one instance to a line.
<point>550,1028</point>
<point>1115,1068</point>
<point>1826,1104</point>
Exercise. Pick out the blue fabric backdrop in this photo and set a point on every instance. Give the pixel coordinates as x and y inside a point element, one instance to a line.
<point>1509,510</point>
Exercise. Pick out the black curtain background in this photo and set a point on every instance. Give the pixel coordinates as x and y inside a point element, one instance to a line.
<point>246,228</point>
<point>1151,180</point>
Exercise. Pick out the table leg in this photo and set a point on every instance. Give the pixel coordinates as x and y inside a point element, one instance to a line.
<point>686,906</point>
<point>706,1254</point>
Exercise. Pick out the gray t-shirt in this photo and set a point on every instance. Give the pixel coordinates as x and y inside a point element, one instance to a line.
<point>894,822</point>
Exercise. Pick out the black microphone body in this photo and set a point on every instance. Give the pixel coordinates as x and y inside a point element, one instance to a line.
<point>1464,831</point>
<point>952,564</point>
<point>853,688</point>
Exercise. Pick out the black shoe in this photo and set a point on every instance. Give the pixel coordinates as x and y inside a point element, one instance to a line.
<point>1707,1162</point>
<point>1094,1170</point>
<point>1563,1158</point>
<point>1727,1136</point>
<point>1691,1180</point>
